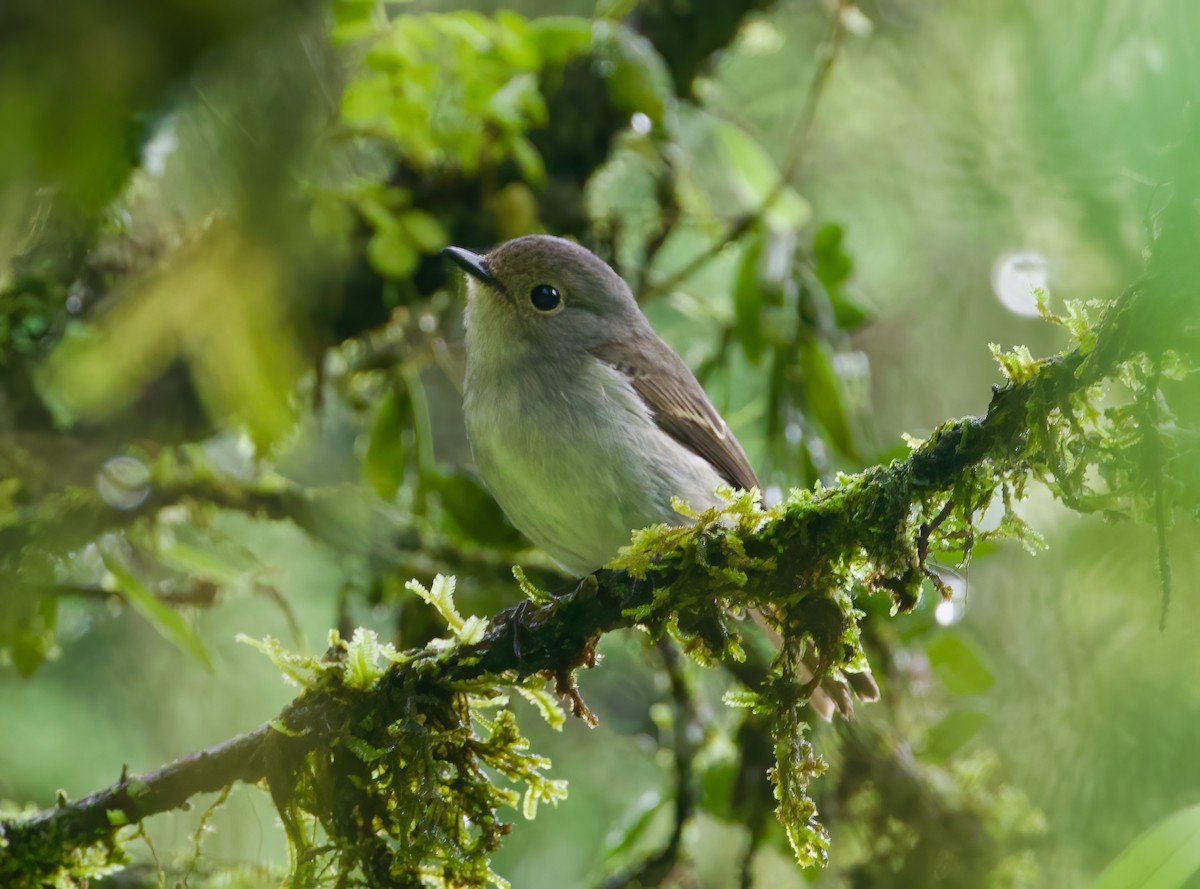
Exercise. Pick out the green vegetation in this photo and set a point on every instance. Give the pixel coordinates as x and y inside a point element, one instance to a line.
<point>228,359</point>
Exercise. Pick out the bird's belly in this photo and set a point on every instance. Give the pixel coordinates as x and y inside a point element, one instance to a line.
<point>577,472</point>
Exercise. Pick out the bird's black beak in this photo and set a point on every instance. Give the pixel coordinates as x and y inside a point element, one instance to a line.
<point>473,264</point>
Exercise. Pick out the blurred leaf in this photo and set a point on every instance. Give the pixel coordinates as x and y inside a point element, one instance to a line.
<point>638,79</point>
<point>561,37</point>
<point>353,20</point>
<point>162,617</point>
<point>948,736</point>
<point>632,827</point>
<point>957,666</point>
<point>201,554</point>
<point>331,219</point>
<point>391,252</point>
<point>823,391</point>
<point>833,266</point>
<point>471,512</point>
<point>716,790</point>
<point>748,300</point>
<point>35,633</point>
<point>223,306</point>
<point>367,99</point>
<point>1164,857</point>
<point>515,102</point>
<point>515,43</point>
<point>755,178</point>
<point>424,229</point>
<point>383,466</point>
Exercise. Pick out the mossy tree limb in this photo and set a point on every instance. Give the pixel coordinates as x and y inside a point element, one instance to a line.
<point>800,561</point>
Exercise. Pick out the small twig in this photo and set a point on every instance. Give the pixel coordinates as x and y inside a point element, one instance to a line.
<point>929,527</point>
<point>831,47</point>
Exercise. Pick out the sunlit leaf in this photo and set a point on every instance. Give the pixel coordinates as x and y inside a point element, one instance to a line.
<point>560,37</point>
<point>1164,857</point>
<point>547,705</point>
<point>220,306</point>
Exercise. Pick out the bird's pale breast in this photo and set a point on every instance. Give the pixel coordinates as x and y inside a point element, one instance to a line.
<point>576,461</point>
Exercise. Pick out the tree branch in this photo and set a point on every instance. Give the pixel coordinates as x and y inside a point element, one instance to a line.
<point>862,514</point>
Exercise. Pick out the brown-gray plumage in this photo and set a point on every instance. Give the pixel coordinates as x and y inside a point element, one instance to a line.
<point>680,407</point>
<point>583,423</point>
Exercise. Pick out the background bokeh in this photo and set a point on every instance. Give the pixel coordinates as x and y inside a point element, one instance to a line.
<point>230,365</point>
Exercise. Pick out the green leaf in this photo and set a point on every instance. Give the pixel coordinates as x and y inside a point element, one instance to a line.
<point>392,253</point>
<point>34,640</point>
<point>561,37</point>
<point>637,76</point>
<point>204,554</point>
<point>1164,857</point>
<point>948,736</point>
<point>717,790</point>
<point>425,230</point>
<point>957,665</point>
<point>383,465</point>
<point>331,219</point>
<point>833,266</point>
<point>823,391</point>
<point>626,833</point>
<point>748,300</point>
<point>162,617</point>
<point>755,178</point>
<point>367,100</point>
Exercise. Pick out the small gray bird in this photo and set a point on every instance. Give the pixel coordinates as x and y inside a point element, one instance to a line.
<point>583,423</point>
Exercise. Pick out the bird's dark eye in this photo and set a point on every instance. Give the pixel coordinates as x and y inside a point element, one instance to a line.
<point>545,298</point>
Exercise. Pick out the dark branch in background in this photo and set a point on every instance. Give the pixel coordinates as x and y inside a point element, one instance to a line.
<point>559,637</point>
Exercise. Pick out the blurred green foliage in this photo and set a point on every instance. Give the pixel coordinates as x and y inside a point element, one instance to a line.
<point>228,358</point>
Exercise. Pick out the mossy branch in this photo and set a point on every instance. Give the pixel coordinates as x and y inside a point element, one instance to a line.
<point>798,561</point>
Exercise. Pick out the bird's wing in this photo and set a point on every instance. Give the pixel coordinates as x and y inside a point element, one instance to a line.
<point>680,407</point>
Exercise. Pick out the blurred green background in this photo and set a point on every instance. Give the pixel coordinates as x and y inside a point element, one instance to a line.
<point>229,360</point>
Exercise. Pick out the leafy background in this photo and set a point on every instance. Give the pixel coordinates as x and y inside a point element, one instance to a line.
<point>228,400</point>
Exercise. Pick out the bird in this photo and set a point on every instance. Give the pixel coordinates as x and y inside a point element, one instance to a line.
<point>583,423</point>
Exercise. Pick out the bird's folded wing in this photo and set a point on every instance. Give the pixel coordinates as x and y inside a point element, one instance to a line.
<point>680,407</point>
